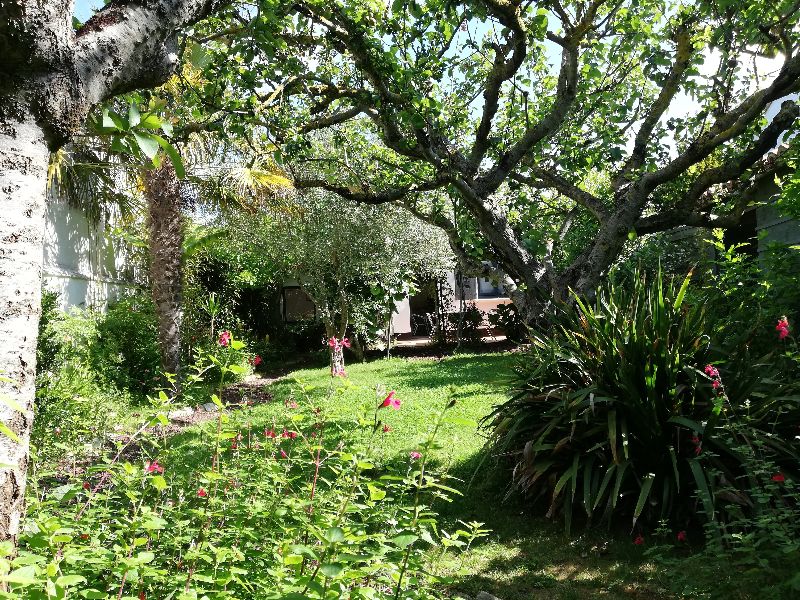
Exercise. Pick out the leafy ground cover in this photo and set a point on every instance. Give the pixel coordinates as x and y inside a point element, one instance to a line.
<point>524,556</point>
<point>228,509</point>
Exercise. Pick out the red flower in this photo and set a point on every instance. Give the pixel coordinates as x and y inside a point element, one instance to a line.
<point>386,429</point>
<point>224,338</point>
<point>390,400</point>
<point>711,371</point>
<point>283,454</point>
<point>639,540</point>
<point>289,434</point>
<point>681,536</point>
<point>154,467</point>
<point>256,361</point>
<point>142,596</point>
<point>234,445</point>
<point>782,328</point>
<point>270,433</point>
<point>84,536</point>
<point>87,485</point>
<point>716,383</point>
<point>778,477</point>
<point>201,493</point>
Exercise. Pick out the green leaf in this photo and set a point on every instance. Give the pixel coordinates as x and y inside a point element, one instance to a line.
<point>8,433</point>
<point>148,144</point>
<point>237,344</point>
<point>69,580</point>
<point>334,535</point>
<point>158,482</point>
<point>331,570</point>
<point>644,494</point>
<point>375,493</point>
<point>405,540</point>
<point>134,118</point>
<point>177,162</point>
<point>23,576</point>
<point>11,403</point>
<point>702,488</point>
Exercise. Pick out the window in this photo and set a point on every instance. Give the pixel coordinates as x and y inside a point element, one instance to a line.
<point>297,306</point>
<point>487,289</point>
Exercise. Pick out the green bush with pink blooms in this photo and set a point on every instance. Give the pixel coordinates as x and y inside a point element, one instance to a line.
<point>287,511</point>
<point>627,410</point>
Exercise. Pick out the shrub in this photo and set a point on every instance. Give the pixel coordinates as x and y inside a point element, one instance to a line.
<point>73,405</point>
<point>467,324</point>
<point>614,412</point>
<point>274,510</point>
<point>507,318</point>
<point>126,353</point>
<point>745,295</point>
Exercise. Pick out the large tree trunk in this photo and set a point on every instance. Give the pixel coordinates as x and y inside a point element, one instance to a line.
<point>52,76</point>
<point>23,177</point>
<point>165,223</point>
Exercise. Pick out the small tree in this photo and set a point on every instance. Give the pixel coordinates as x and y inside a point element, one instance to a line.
<point>353,261</point>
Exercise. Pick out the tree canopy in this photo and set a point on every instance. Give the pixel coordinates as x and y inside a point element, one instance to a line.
<point>612,119</point>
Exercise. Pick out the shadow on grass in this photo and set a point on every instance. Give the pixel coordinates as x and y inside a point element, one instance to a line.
<point>529,556</point>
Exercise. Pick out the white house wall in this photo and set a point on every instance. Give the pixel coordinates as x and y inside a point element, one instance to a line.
<point>82,262</point>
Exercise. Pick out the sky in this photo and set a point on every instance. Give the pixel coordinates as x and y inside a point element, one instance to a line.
<point>83,8</point>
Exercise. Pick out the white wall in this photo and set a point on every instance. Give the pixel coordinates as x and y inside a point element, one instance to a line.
<point>82,262</point>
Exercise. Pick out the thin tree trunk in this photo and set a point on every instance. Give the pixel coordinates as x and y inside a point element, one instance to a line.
<point>23,177</point>
<point>165,223</point>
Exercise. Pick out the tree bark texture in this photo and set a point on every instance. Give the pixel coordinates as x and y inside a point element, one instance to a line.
<point>165,226</point>
<point>23,172</point>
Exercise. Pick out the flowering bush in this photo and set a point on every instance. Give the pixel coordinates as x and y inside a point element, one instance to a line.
<point>285,510</point>
<point>621,410</point>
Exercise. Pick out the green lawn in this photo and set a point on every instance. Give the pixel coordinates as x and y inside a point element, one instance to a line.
<point>525,556</point>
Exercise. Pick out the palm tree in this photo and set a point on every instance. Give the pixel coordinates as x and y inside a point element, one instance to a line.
<point>83,176</point>
<point>165,224</point>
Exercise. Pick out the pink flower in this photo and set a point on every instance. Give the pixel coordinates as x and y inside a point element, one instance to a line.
<point>333,342</point>
<point>289,434</point>
<point>153,467</point>
<point>270,433</point>
<point>711,371</point>
<point>782,328</point>
<point>415,455</point>
<point>201,493</point>
<point>283,454</point>
<point>778,477</point>
<point>345,342</point>
<point>386,429</point>
<point>292,404</point>
<point>716,383</point>
<point>639,540</point>
<point>390,400</point>
<point>681,536</point>
<point>224,338</point>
